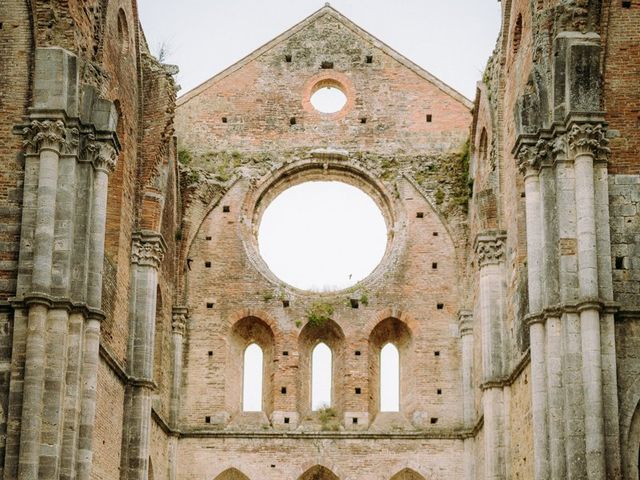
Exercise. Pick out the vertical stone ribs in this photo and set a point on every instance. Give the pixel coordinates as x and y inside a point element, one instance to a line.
<point>148,250</point>
<point>58,302</point>
<point>569,262</point>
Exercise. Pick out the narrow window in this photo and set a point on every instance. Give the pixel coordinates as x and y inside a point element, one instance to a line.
<point>321,377</point>
<point>252,379</point>
<point>389,378</point>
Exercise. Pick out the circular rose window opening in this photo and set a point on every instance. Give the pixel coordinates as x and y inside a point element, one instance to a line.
<point>328,97</point>
<point>322,236</point>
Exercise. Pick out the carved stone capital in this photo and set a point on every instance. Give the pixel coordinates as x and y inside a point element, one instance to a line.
<point>48,134</point>
<point>147,249</point>
<point>101,153</point>
<point>489,250</point>
<point>465,322</point>
<point>179,323</point>
<point>589,139</point>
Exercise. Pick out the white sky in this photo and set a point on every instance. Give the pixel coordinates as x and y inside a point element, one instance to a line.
<point>322,235</point>
<point>450,39</point>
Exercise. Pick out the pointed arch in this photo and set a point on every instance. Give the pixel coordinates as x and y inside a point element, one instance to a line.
<point>232,474</point>
<point>394,335</point>
<point>318,472</point>
<point>250,334</point>
<point>407,474</point>
<point>331,335</point>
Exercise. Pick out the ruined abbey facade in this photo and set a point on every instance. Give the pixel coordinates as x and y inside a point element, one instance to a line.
<point>131,282</point>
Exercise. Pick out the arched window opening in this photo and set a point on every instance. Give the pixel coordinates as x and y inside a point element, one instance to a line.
<point>252,379</point>
<point>232,474</point>
<point>389,378</point>
<point>318,473</point>
<point>321,377</point>
<point>407,474</point>
<point>517,34</point>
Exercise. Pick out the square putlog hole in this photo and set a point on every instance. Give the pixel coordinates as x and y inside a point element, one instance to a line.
<point>285,303</point>
<point>429,118</point>
<point>207,419</point>
<point>434,420</point>
<point>226,208</point>
<point>355,303</point>
<point>209,304</point>
<point>207,264</point>
<point>288,58</point>
<point>224,120</point>
<point>358,390</point>
<point>283,390</point>
<point>420,215</point>
<point>326,65</point>
<point>626,3</point>
<point>440,306</point>
<point>358,353</point>
<point>354,420</point>
<point>292,121</point>
<point>368,59</point>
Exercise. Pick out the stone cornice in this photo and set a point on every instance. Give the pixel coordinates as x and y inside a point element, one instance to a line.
<point>61,303</point>
<point>555,311</point>
<point>147,248</point>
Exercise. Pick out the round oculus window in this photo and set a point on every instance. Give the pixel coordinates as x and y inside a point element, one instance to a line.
<point>322,235</point>
<point>328,98</point>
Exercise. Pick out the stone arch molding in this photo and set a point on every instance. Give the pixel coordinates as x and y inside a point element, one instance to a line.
<point>321,166</point>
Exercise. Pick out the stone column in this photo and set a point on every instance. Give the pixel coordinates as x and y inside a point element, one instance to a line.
<point>103,158</point>
<point>46,139</point>
<point>490,253</point>
<point>465,326</point>
<point>147,252</point>
<point>179,325</point>
<point>529,163</point>
<point>584,142</point>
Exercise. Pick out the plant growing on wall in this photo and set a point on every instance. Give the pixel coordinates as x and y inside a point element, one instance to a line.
<point>319,313</point>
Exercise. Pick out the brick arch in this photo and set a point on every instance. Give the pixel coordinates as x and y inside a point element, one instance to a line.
<point>392,312</point>
<point>407,474</point>
<point>318,472</point>
<point>263,315</point>
<point>231,474</point>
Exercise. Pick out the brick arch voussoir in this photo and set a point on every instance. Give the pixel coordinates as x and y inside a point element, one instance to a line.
<point>391,312</point>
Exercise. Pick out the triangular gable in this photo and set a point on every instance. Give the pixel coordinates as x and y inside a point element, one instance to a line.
<point>328,10</point>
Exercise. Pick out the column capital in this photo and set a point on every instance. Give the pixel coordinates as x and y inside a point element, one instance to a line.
<point>489,248</point>
<point>179,320</point>
<point>48,134</point>
<point>147,249</point>
<point>588,139</point>
<point>101,153</point>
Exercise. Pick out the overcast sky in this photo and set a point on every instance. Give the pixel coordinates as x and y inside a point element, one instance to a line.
<point>450,39</point>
